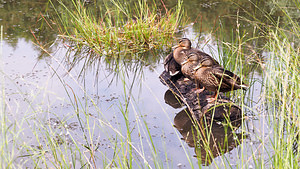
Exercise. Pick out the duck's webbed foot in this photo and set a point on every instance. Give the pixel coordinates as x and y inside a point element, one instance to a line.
<point>213,98</point>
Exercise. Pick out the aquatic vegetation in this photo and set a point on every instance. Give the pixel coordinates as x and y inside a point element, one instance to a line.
<point>120,30</point>
<point>278,104</point>
<point>87,134</point>
<point>282,95</point>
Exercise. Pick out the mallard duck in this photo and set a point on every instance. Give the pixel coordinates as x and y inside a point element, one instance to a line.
<point>216,78</point>
<point>171,66</point>
<point>183,50</point>
<point>189,65</point>
<point>192,63</point>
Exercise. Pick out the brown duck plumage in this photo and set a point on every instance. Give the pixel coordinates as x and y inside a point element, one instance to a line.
<point>205,70</point>
<point>183,50</point>
<point>171,65</point>
<point>216,78</point>
<point>187,67</point>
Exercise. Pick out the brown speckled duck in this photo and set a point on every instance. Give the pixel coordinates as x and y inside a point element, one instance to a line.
<point>189,59</point>
<point>189,66</point>
<point>216,78</point>
<point>171,66</point>
<point>184,49</point>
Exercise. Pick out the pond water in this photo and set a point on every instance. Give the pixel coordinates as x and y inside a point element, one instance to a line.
<point>42,94</point>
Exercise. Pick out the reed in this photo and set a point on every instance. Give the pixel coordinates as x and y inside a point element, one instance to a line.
<point>279,97</point>
<point>120,30</point>
<point>61,147</point>
<point>281,84</point>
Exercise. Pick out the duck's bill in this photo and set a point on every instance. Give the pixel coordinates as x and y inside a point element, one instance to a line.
<point>174,47</point>
<point>184,62</point>
<point>198,67</point>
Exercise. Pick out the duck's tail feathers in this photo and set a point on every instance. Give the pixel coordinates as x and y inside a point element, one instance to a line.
<point>244,87</point>
<point>173,74</point>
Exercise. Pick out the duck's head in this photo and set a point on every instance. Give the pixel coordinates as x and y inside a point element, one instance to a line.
<point>192,57</point>
<point>204,62</point>
<point>184,43</point>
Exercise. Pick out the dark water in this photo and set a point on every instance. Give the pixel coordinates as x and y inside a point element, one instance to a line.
<point>40,88</point>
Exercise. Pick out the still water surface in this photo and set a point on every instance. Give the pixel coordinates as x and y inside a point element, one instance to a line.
<point>39,90</point>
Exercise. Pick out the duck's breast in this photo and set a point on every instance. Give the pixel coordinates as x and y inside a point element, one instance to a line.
<point>206,78</point>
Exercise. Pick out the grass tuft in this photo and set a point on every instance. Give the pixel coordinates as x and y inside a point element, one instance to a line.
<point>122,29</point>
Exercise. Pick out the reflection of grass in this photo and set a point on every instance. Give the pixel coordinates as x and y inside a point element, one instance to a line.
<point>279,103</point>
<point>122,29</point>
<point>281,93</point>
<point>278,106</point>
<point>61,147</point>
<point>128,35</point>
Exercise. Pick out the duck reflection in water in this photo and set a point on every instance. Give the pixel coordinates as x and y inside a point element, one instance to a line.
<point>173,100</point>
<point>210,141</point>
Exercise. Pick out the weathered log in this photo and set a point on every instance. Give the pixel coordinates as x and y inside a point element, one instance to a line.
<point>197,103</point>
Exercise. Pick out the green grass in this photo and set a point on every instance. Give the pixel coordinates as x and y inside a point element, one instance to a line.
<point>118,33</point>
<point>280,94</point>
<point>120,30</point>
<point>275,58</point>
<point>61,147</point>
<point>282,89</point>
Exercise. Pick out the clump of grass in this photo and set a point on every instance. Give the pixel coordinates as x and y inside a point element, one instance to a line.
<point>282,90</point>
<point>121,29</point>
<point>280,93</point>
<point>274,53</point>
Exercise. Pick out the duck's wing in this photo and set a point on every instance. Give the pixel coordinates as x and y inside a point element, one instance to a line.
<point>167,61</point>
<point>229,80</point>
<point>203,55</point>
<point>171,66</point>
<point>236,80</point>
